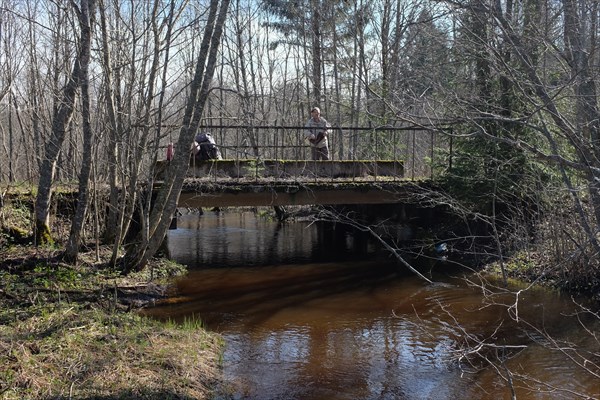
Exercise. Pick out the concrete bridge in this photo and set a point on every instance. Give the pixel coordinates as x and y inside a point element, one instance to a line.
<point>229,183</point>
<point>368,166</point>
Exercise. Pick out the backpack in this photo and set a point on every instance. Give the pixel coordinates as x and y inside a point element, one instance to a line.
<point>205,147</point>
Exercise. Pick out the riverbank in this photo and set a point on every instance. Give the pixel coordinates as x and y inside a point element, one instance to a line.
<point>537,268</point>
<point>73,332</point>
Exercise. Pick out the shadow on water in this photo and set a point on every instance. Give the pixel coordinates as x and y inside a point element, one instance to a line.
<point>263,291</point>
<point>359,326</point>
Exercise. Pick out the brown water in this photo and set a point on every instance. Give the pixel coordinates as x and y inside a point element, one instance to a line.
<point>300,325</point>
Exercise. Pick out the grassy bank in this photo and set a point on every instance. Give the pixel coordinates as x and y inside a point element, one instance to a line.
<point>539,268</point>
<point>72,331</point>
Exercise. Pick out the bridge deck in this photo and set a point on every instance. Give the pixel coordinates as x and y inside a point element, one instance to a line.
<point>291,169</point>
<point>247,182</point>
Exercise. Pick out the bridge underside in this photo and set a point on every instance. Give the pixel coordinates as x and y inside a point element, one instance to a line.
<point>203,194</point>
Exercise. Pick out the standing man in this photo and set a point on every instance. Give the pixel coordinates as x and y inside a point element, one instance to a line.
<point>316,133</point>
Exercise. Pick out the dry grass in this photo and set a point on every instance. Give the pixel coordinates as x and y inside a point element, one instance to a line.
<point>72,331</point>
<point>87,353</point>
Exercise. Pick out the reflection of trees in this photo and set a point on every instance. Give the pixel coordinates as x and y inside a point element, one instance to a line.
<point>512,329</point>
<point>527,327</point>
<point>232,239</point>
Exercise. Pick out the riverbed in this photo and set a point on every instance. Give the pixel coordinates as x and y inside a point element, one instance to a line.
<point>313,312</point>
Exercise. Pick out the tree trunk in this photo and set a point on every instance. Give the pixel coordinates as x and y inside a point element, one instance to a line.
<point>168,195</point>
<point>60,121</point>
<point>316,51</point>
<point>86,20</point>
<point>113,128</point>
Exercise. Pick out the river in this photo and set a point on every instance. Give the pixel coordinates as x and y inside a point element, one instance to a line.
<point>311,312</point>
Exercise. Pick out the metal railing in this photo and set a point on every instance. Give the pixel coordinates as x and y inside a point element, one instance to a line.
<point>415,147</point>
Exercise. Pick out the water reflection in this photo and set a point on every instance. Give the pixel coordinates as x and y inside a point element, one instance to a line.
<point>243,239</point>
<point>364,329</point>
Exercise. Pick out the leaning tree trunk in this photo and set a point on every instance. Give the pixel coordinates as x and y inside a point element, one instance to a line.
<point>149,240</point>
<point>60,121</point>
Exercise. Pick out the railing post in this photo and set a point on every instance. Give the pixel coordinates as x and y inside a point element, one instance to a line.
<point>450,151</point>
<point>432,155</point>
<point>414,152</point>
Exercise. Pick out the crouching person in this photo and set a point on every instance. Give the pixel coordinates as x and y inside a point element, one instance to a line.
<point>205,148</point>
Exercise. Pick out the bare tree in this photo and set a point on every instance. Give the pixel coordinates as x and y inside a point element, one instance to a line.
<point>151,236</point>
<point>137,100</point>
<point>86,16</point>
<point>242,75</point>
<point>60,121</point>
<point>570,137</point>
<point>16,162</point>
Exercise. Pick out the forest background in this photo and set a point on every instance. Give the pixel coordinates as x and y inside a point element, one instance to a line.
<point>498,97</point>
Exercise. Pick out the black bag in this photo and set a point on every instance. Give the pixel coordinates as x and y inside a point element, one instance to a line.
<point>318,138</point>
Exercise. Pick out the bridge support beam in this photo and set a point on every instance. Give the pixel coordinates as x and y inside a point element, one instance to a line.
<point>291,194</point>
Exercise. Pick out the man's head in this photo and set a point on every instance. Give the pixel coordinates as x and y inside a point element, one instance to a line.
<point>315,112</point>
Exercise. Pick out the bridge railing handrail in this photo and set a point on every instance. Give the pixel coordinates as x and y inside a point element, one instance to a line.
<point>414,146</point>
